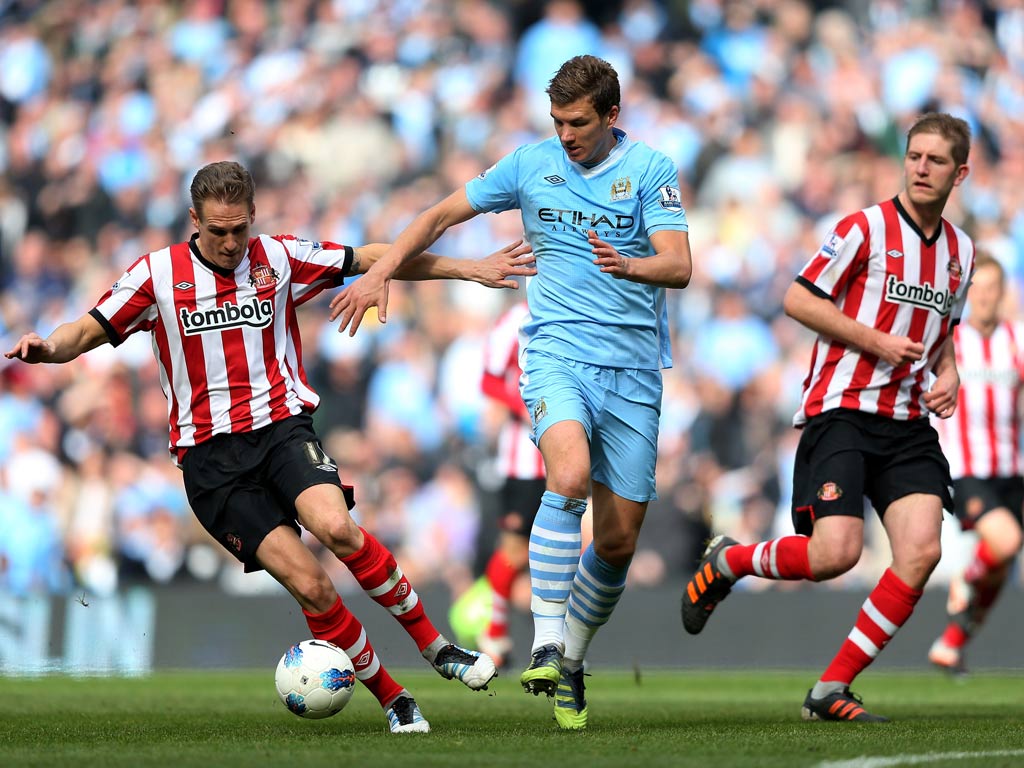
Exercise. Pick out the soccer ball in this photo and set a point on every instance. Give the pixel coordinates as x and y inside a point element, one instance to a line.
<point>315,679</point>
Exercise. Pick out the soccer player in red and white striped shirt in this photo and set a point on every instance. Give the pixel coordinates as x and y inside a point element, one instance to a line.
<point>521,464</point>
<point>221,312</point>
<point>883,294</point>
<point>982,444</point>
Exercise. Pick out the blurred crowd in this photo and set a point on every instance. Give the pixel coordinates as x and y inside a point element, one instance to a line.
<point>354,115</point>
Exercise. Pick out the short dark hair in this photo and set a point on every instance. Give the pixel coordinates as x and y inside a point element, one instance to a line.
<point>225,181</point>
<point>953,129</point>
<point>585,77</point>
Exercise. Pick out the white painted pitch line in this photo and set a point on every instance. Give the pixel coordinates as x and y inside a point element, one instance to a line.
<point>931,757</point>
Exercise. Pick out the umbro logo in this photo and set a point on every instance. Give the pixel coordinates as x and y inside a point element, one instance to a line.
<point>327,467</point>
<point>554,179</point>
<point>894,254</point>
<point>183,286</point>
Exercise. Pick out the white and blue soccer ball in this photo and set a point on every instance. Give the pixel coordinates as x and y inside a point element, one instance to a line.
<point>315,679</point>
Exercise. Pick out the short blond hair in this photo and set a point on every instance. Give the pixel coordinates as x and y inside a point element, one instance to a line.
<point>953,129</point>
<point>225,181</point>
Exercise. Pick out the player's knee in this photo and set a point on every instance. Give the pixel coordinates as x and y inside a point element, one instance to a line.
<point>315,590</point>
<point>616,548</point>
<point>834,559</point>
<point>1009,543</point>
<point>341,535</point>
<point>919,561</point>
<point>570,482</point>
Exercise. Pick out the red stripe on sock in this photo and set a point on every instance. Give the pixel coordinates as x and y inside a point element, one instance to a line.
<point>372,566</point>
<point>791,560</point>
<point>339,625</point>
<point>895,601</point>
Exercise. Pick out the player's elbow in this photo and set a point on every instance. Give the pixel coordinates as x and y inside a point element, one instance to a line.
<point>793,301</point>
<point>684,271</point>
<point>684,275</point>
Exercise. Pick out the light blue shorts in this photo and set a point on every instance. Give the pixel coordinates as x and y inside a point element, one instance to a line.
<point>618,407</point>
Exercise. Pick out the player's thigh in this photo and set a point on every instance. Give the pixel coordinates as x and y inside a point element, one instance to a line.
<point>323,511</point>
<point>835,545</point>
<point>223,484</point>
<point>624,444</point>
<point>298,462</point>
<point>905,459</point>
<point>1001,530</point>
<point>285,557</point>
<point>306,479</point>
<point>913,524</point>
<point>565,446</point>
<point>828,473</point>
<point>553,390</point>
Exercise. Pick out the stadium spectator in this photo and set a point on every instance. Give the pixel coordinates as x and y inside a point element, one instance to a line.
<point>32,551</point>
<point>596,340</point>
<point>983,448</point>
<point>883,294</point>
<point>220,308</point>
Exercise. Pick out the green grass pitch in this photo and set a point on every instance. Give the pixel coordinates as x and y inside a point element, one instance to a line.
<point>658,718</point>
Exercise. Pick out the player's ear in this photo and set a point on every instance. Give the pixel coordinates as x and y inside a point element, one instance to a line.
<point>961,174</point>
<point>194,216</point>
<point>613,115</point>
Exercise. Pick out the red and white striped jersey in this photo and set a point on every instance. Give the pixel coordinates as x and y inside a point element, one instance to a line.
<point>226,342</point>
<point>880,270</point>
<point>517,456</point>
<point>982,439</point>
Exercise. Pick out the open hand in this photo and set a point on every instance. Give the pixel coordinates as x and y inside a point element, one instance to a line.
<point>353,301</point>
<point>497,269</point>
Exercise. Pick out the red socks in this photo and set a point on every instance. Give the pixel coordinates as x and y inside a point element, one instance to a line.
<point>375,569</point>
<point>500,575</point>
<point>782,558</point>
<point>337,625</point>
<point>984,561</point>
<point>955,636</point>
<point>886,610</point>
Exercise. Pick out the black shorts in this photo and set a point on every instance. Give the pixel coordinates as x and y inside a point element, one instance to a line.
<point>242,486</point>
<point>520,500</point>
<point>975,497</point>
<point>845,455</point>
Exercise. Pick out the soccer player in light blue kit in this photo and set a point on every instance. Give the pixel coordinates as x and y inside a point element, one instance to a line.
<point>604,218</point>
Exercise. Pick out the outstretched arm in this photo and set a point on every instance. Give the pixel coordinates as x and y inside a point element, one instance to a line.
<point>494,271</point>
<point>67,342</point>
<point>372,289</point>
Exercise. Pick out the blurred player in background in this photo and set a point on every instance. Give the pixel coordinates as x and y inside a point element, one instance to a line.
<point>883,294</point>
<point>604,217</point>
<point>983,447</point>
<point>221,312</point>
<point>522,467</point>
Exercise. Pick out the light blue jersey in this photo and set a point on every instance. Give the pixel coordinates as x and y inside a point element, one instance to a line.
<point>576,310</point>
